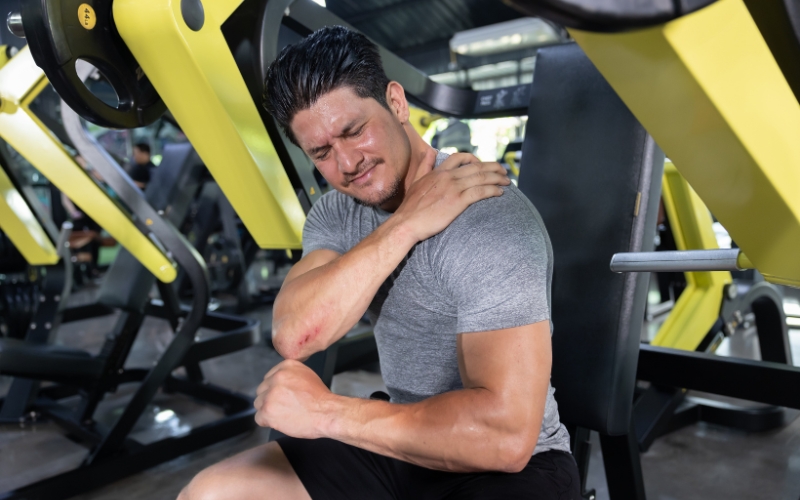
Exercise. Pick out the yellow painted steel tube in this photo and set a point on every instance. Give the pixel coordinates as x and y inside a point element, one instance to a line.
<point>708,90</point>
<point>19,223</point>
<point>20,81</point>
<point>196,75</point>
<point>698,306</point>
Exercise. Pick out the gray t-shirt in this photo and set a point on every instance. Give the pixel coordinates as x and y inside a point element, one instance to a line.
<point>490,269</point>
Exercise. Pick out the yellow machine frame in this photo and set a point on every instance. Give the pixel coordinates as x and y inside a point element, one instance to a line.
<point>20,82</point>
<point>19,223</point>
<point>197,76</point>
<point>708,89</point>
<point>698,306</point>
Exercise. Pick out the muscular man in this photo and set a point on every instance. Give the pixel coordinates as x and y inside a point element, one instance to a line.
<point>453,266</point>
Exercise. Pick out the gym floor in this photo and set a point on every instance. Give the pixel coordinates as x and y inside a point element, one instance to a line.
<point>697,462</point>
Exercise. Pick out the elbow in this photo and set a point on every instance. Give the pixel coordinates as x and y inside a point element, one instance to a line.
<point>516,452</point>
<point>297,347</point>
<point>286,347</point>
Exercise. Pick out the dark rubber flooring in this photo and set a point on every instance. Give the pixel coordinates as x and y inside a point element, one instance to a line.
<point>698,462</point>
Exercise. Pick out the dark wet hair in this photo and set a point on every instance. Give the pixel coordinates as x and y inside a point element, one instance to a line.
<point>143,147</point>
<point>329,58</point>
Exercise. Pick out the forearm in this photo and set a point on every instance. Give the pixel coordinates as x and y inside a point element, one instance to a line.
<point>469,430</point>
<point>318,307</point>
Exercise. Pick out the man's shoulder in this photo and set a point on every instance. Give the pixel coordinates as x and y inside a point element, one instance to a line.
<point>498,214</point>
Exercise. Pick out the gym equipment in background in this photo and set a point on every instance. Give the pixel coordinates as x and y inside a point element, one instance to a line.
<point>743,178</point>
<point>112,454</point>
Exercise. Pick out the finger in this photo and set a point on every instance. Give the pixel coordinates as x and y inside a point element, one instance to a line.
<point>456,160</point>
<point>276,368</point>
<point>493,166</point>
<point>261,420</point>
<point>259,401</point>
<point>483,178</point>
<point>475,168</point>
<point>481,192</point>
<point>262,387</point>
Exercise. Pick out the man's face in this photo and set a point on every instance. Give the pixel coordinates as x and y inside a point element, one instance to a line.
<point>140,157</point>
<point>359,146</point>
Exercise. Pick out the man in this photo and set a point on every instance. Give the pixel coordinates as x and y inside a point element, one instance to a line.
<point>452,264</point>
<point>141,168</point>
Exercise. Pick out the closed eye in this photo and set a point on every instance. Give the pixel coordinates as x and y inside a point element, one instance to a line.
<point>323,155</point>
<point>357,132</point>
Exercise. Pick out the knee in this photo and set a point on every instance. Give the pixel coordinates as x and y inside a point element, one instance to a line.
<point>207,485</point>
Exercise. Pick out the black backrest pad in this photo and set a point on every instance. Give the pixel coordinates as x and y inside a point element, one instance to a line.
<point>594,174</point>
<point>172,188</point>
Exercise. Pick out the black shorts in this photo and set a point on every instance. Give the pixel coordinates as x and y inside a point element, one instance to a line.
<point>333,470</point>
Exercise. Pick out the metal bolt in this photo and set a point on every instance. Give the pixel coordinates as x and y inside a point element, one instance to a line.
<point>121,371</point>
<point>14,23</point>
<point>33,326</point>
<point>57,298</point>
<point>47,326</point>
<point>42,298</point>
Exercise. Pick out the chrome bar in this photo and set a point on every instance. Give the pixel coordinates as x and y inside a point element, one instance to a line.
<point>676,261</point>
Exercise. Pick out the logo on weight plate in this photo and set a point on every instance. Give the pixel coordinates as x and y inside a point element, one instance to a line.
<point>86,16</point>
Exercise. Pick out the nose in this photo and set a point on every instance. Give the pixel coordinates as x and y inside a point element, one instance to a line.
<point>348,159</point>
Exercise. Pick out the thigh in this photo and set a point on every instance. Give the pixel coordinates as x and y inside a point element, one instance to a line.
<point>259,473</point>
<point>552,475</point>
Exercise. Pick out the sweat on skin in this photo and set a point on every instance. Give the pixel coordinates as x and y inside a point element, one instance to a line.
<point>409,202</point>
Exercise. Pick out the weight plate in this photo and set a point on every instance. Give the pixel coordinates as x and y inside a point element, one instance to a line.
<point>608,15</point>
<point>62,32</point>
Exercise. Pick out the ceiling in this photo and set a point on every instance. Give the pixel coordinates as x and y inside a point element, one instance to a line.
<point>419,30</point>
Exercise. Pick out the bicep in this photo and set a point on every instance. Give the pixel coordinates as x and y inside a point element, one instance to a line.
<point>497,273</point>
<point>513,364</point>
<point>312,260</point>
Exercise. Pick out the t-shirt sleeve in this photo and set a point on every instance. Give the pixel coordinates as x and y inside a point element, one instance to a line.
<point>324,227</point>
<point>493,263</point>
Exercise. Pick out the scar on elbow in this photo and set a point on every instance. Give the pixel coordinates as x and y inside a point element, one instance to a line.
<point>309,336</point>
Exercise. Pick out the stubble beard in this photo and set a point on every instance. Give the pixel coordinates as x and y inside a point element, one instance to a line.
<point>381,197</point>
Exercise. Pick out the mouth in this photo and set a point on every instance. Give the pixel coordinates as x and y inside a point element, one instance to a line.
<point>364,176</point>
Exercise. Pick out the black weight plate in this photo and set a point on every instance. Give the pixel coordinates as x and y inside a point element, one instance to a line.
<point>61,32</point>
<point>608,15</point>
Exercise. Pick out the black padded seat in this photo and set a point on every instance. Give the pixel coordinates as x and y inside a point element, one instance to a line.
<point>594,174</point>
<point>48,362</point>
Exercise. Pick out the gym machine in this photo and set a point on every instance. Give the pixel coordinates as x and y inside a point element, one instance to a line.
<point>711,307</point>
<point>151,244</point>
<point>215,52</point>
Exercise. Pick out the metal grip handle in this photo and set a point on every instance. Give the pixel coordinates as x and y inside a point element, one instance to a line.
<point>680,261</point>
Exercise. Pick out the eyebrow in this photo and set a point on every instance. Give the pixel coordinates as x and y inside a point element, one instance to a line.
<point>345,131</point>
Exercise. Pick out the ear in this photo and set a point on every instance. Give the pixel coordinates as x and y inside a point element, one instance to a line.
<point>396,98</point>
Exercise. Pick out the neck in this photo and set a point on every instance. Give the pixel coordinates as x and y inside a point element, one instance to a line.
<point>418,150</point>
